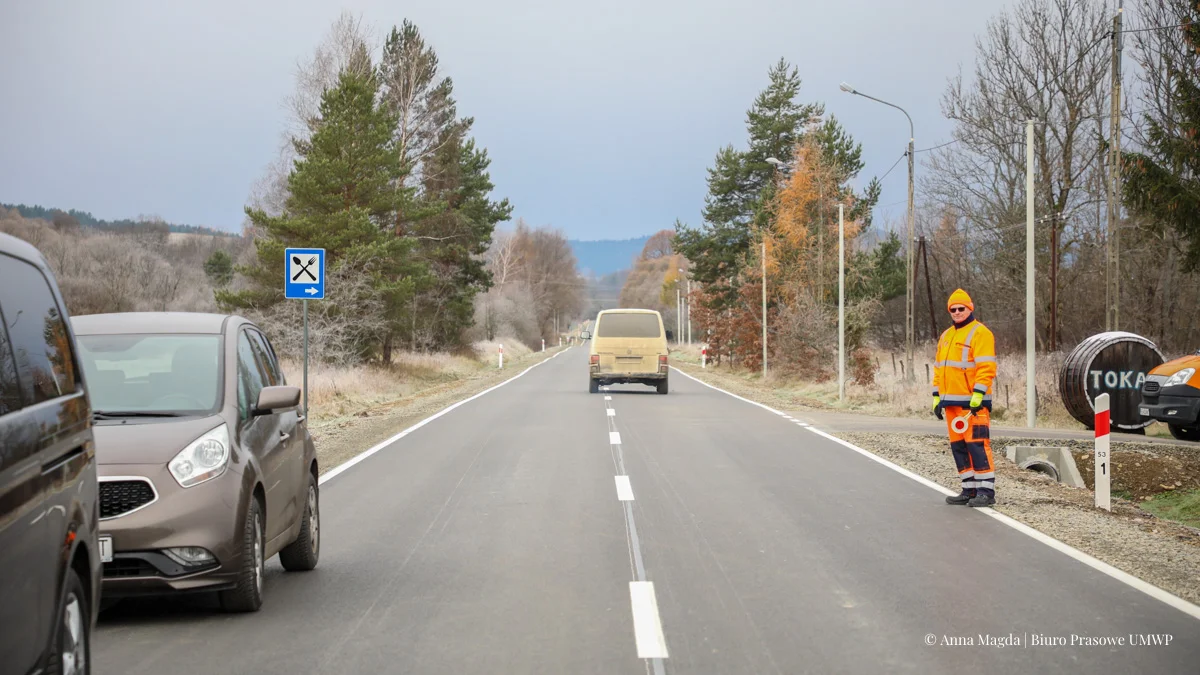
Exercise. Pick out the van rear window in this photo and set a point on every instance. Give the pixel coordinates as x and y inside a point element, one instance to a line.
<point>628,326</point>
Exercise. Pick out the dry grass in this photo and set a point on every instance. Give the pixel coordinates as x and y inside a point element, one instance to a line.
<point>337,391</point>
<point>892,396</point>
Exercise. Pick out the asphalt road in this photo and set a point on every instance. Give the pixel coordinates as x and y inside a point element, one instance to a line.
<point>501,538</point>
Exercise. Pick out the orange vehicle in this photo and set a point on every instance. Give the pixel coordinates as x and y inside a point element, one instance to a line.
<point>1171,394</point>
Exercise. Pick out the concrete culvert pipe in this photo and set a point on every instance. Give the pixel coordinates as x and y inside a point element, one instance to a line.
<point>1041,466</point>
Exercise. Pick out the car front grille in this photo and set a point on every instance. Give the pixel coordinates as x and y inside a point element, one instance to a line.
<point>1151,388</point>
<point>124,568</point>
<point>118,497</point>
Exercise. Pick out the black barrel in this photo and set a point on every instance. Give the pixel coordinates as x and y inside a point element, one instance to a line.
<point>1113,363</point>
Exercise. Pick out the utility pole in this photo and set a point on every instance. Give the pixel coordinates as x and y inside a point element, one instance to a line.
<point>1112,293</point>
<point>1052,343</point>
<point>764,303</point>
<point>689,310</point>
<point>910,375</point>
<point>1030,361</point>
<point>841,306</point>
<point>933,334</point>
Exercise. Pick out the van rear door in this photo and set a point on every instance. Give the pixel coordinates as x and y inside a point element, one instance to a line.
<point>629,342</point>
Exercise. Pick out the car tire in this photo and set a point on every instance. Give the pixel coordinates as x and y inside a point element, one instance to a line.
<point>1184,433</point>
<point>247,595</point>
<point>302,555</point>
<point>71,648</point>
<point>593,386</point>
<point>662,386</point>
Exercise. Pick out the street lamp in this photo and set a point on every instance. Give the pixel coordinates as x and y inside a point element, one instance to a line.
<point>908,282</point>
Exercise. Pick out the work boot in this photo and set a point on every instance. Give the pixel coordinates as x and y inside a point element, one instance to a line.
<point>961,498</point>
<point>982,500</point>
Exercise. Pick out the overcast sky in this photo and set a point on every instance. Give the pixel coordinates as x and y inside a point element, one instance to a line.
<point>600,118</point>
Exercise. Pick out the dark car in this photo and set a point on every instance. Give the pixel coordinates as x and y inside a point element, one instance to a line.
<point>206,465</point>
<point>50,553</point>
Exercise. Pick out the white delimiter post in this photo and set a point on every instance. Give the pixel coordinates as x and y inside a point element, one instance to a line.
<point>501,357</point>
<point>1103,471</point>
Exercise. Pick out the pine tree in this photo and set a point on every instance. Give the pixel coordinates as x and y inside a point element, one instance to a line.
<point>344,191</point>
<point>1163,183</point>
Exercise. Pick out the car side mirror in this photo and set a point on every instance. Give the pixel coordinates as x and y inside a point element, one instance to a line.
<point>271,399</point>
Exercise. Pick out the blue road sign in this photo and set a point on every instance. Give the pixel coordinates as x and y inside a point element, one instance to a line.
<point>305,274</point>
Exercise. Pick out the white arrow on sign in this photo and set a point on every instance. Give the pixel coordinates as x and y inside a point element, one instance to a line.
<point>310,290</point>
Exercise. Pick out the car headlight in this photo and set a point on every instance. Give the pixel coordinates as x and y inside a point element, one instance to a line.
<point>1180,377</point>
<point>203,459</point>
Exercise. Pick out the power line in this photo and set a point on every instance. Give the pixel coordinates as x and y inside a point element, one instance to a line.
<point>902,156</point>
<point>940,146</point>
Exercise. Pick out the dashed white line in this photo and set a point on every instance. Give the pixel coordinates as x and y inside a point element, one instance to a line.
<point>647,627</point>
<point>612,412</point>
<point>624,489</point>
<point>607,398</point>
<point>614,438</point>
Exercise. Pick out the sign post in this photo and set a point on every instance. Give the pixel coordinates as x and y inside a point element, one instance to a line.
<point>304,279</point>
<point>1103,471</point>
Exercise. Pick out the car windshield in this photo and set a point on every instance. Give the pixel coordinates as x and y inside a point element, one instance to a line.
<point>142,374</point>
<point>628,326</point>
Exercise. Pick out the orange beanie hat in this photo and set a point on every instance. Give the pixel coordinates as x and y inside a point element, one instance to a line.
<point>960,297</point>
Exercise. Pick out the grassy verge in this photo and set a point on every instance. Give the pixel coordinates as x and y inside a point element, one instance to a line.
<point>1181,507</point>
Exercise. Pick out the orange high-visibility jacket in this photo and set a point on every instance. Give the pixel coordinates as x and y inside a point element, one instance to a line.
<point>966,363</point>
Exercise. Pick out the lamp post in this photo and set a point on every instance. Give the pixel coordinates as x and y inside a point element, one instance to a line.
<point>908,279</point>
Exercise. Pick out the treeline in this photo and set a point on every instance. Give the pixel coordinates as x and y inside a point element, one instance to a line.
<point>71,218</point>
<point>536,289</point>
<point>1050,61</point>
<point>780,192</point>
<point>143,269</point>
<point>380,170</point>
<point>1045,60</point>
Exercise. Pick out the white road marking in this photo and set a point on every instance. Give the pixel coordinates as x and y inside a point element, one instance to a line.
<point>614,438</point>
<point>1098,565</point>
<point>607,398</point>
<point>612,412</point>
<point>624,489</point>
<point>647,627</point>
<point>329,475</point>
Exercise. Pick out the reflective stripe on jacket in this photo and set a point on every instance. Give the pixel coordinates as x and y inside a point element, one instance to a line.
<point>966,363</point>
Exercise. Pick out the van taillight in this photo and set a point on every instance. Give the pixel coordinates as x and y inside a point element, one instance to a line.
<point>595,359</point>
<point>662,359</point>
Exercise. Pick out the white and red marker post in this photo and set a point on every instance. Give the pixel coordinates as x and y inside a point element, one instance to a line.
<point>543,344</point>
<point>703,356</point>
<point>501,357</point>
<point>1103,471</point>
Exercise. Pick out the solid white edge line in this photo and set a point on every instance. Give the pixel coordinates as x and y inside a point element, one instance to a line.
<point>612,412</point>
<point>1096,564</point>
<point>337,470</point>
<point>647,626</point>
<point>614,438</point>
<point>624,489</point>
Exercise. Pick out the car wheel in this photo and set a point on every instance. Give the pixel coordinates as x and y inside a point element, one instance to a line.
<point>247,595</point>
<point>1184,433</point>
<point>662,386</point>
<point>71,648</point>
<point>301,555</point>
<point>593,386</point>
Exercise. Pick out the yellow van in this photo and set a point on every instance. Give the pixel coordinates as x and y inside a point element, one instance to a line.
<point>628,345</point>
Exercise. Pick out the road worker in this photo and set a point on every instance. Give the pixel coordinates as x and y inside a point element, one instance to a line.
<point>962,387</point>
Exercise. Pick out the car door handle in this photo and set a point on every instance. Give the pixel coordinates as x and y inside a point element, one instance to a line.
<point>283,436</point>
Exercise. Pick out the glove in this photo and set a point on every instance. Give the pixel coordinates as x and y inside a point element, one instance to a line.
<point>937,407</point>
<point>976,402</point>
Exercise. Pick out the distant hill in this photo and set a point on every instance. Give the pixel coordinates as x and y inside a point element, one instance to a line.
<point>88,220</point>
<point>601,257</point>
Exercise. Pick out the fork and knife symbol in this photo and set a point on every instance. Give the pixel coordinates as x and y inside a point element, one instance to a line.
<point>304,268</point>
